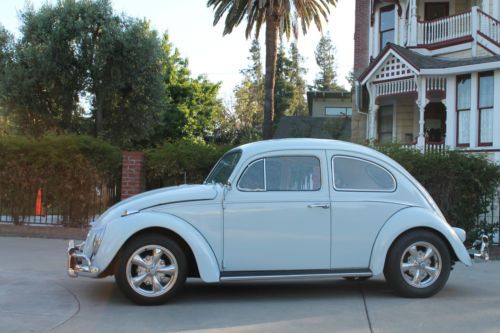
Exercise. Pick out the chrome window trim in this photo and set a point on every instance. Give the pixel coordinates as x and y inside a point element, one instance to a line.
<point>362,190</point>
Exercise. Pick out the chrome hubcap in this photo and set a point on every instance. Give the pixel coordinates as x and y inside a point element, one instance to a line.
<point>152,270</point>
<point>421,264</point>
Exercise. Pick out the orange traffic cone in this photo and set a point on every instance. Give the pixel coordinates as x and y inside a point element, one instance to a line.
<point>39,207</point>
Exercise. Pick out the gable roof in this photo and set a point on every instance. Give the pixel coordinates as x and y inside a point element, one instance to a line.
<point>421,62</point>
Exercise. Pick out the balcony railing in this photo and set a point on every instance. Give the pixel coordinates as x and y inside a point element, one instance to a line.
<point>444,29</point>
<point>395,87</point>
<point>489,27</point>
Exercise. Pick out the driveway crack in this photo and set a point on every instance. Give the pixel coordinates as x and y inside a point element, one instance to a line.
<point>366,307</point>
<point>74,314</point>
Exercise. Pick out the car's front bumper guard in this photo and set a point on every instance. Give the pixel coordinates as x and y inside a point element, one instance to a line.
<point>78,262</point>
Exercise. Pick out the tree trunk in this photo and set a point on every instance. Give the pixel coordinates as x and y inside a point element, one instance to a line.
<point>270,80</point>
<point>98,115</point>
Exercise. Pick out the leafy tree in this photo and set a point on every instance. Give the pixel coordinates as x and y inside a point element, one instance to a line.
<point>326,79</point>
<point>191,104</point>
<point>249,95</point>
<point>280,17</point>
<point>79,67</point>
<point>290,85</point>
<point>298,105</point>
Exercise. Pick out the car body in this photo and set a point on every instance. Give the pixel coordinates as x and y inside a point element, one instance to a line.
<point>277,209</point>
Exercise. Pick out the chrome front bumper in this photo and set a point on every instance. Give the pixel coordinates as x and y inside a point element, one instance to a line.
<point>78,262</point>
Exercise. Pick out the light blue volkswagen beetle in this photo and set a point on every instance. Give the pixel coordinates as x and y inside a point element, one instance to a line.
<point>278,209</point>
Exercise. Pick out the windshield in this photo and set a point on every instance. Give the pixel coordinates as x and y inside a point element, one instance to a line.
<point>223,169</point>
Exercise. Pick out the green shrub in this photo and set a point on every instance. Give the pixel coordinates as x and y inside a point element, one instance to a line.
<point>462,184</point>
<point>181,162</point>
<point>73,172</point>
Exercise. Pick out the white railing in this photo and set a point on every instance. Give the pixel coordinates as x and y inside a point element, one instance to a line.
<point>436,83</point>
<point>445,29</point>
<point>489,27</point>
<point>395,87</point>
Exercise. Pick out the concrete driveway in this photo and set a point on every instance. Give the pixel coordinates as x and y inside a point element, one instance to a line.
<point>37,296</point>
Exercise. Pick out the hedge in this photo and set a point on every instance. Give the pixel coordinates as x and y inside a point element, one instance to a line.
<point>72,171</point>
<point>462,184</point>
<point>180,162</point>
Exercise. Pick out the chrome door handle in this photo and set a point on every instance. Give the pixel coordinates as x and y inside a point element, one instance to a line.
<point>318,205</point>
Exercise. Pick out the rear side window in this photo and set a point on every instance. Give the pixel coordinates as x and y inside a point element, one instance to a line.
<point>354,174</point>
<point>283,173</point>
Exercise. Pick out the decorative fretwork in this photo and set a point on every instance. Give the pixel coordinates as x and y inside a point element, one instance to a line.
<point>393,68</point>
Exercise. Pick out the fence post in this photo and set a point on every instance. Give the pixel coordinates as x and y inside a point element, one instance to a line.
<point>133,174</point>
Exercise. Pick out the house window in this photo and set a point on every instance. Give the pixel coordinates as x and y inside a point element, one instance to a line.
<point>463,109</point>
<point>485,107</point>
<point>387,25</point>
<point>436,10</point>
<point>338,112</point>
<point>385,122</point>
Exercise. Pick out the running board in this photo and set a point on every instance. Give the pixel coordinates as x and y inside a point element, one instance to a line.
<point>294,274</point>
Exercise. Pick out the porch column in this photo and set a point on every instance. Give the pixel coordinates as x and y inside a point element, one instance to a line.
<point>474,29</point>
<point>372,113</point>
<point>451,112</point>
<point>413,26</point>
<point>421,102</point>
<point>372,122</point>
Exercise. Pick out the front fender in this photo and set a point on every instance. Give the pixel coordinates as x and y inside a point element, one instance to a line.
<point>411,218</point>
<point>119,230</point>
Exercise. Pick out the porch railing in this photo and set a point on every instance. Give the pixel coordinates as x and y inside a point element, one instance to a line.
<point>395,87</point>
<point>489,27</point>
<point>445,29</point>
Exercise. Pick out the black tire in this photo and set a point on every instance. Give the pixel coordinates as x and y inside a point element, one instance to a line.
<point>399,281</point>
<point>128,251</point>
<point>357,278</point>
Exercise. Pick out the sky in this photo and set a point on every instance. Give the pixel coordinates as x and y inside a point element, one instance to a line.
<point>190,27</point>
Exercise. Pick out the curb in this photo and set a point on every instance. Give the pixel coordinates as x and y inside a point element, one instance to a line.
<point>59,232</point>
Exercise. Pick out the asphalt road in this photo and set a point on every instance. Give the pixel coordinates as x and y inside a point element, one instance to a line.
<point>37,296</point>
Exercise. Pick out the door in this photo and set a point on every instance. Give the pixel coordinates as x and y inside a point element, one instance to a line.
<point>436,10</point>
<point>277,214</point>
<point>385,123</point>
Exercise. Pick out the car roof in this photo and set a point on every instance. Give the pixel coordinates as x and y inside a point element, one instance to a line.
<point>309,144</point>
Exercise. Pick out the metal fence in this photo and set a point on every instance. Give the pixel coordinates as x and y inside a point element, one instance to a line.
<point>45,212</point>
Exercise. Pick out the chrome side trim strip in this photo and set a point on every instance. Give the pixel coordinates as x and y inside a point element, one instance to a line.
<point>293,276</point>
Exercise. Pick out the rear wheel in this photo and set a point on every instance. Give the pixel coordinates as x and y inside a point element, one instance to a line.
<point>418,264</point>
<point>151,269</point>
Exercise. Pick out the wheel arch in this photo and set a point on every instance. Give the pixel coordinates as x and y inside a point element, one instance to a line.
<point>410,220</point>
<point>193,270</point>
<point>120,232</point>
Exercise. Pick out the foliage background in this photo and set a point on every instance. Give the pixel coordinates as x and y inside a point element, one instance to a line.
<point>462,184</point>
<point>72,170</point>
<point>180,162</point>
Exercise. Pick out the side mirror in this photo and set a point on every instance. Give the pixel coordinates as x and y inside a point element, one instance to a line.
<point>228,185</point>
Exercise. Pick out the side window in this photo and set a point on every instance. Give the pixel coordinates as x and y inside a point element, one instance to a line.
<point>283,173</point>
<point>293,173</point>
<point>353,174</point>
<point>253,177</point>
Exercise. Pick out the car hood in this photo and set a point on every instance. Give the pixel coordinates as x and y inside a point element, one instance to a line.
<point>166,195</point>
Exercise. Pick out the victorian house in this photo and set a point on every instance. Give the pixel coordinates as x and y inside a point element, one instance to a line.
<point>428,74</point>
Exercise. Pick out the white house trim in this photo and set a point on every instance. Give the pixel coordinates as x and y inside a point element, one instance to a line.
<point>462,69</point>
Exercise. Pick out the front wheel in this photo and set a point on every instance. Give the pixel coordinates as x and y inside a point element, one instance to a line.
<point>151,269</point>
<point>418,264</point>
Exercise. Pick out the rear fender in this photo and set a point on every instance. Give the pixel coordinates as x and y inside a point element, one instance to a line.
<point>411,218</point>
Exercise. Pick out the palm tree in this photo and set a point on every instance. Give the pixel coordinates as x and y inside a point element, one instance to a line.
<point>280,17</point>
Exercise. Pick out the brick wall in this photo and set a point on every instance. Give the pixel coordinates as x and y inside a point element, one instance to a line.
<point>361,35</point>
<point>361,62</point>
<point>133,176</point>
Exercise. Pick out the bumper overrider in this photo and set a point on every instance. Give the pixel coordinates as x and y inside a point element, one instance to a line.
<point>78,262</point>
